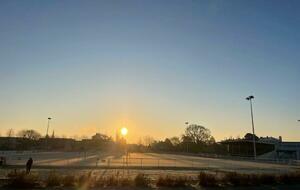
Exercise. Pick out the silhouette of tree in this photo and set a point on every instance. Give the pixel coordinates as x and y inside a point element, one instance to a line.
<point>29,134</point>
<point>101,137</point>
<point>249,136</point>
<point>175,141</point>
<point>10,133</point>
<point>168,143</point>
<point>211,140</point>
<point>148,140</point>
<point>53,135</point>
<point>197,134</point>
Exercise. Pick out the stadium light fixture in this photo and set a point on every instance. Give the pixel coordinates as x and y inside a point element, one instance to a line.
<point>48,125</point>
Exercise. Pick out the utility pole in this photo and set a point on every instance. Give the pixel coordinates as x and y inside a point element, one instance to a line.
<point>48,125</point>
<point>47,136</point>
<point>249,98</point>
<point>187,143</point>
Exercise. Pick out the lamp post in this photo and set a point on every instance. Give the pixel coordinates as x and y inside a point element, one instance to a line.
<point>187,143</point>
<point>249,98</point>
<point>48,125</point>
<point>47,136</point>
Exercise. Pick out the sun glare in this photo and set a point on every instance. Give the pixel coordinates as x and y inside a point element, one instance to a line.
<point>124,131</point>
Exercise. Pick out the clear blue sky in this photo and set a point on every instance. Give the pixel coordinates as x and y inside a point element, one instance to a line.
<point>150,66</point>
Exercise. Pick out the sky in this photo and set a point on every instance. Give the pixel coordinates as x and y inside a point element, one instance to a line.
<point>150,66</point>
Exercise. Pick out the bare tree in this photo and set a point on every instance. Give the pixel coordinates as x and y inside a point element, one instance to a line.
<point>29,134</point>
<point>10,133</point>
<point>197,134</point>
<point>148,140</point>
<point>175,141</point>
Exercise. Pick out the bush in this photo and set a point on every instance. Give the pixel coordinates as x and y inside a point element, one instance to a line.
<point>236,179</point>
<point>99,182</point>
<point>85,181</point>
<point>142,180</point>
<point>171,181</point>
<point>53,180</point>
<point>207,180</point>
<point>289,178</point>
<point>267,179</point>
<point>180,182</point>
<point>111,181</point>
<point>69,181</point>
<point>125,182</point>
<point>22,180</point>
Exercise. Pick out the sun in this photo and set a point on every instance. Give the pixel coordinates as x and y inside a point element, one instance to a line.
<point>124,131</point>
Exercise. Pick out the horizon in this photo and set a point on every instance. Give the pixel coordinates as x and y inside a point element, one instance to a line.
<point>150,66</point>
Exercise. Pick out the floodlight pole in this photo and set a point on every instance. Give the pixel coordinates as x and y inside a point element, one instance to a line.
<point>253,132</point>
<point>48,125</point>
<point>187,143</point>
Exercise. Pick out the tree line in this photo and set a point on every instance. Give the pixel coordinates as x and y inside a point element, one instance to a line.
<point>195,139</point>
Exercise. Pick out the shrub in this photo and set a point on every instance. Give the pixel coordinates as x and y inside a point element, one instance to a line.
<point>53,180</point>
<point>84,181</point>
<point>180,181</point>
<point>99,182</point>
<point>289,178</point>
<point>22,180</point>
<point>111,181</point>
<point>267,179</point>
<point>142,180</point>
<point>69,181</point>
<point>171,181</point>
<point>236,179</point>
<point>207,180</point>
<point>125,182</point>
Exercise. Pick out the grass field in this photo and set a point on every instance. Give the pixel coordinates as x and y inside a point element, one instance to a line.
<point>138,161</point>
<point>153,165</point>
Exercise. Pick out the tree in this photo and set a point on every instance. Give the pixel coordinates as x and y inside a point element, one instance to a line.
<point>211,140</point>
<point>197,134</point>
<point>10,133</point>
<point>29,134</point>
<point>249,136</point>
<point>53,135</point>
<point>168,143</point>
<point>101,137</point>
<point>175,141</point>
<point>148,140</point>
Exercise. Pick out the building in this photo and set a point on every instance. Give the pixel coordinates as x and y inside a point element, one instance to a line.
<point>266,148</point>
<point>288,150</point>
<point>244,147</point>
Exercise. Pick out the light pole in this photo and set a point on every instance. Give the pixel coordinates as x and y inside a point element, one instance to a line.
<point>48,125</point>
<point>187,143</point>
<point>249,98</point>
